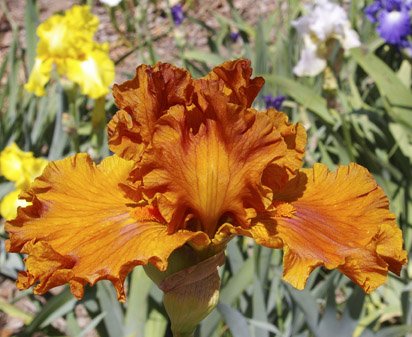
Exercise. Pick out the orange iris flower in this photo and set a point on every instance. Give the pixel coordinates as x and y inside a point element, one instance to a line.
<point>195,165</point>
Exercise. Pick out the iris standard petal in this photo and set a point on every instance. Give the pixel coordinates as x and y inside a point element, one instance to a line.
<point>142,101</point>
<point>94,74</point>
<point>239,86</point>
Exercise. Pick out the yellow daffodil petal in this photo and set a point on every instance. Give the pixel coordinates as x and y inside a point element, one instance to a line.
<point>67,36</point>
<point>85,224</point>
<point>39,76</point>
<point>83,20</point>
<point>94,74</point>
<point>11,162</point>
<point>9,204</point>
<point>334,219</point>
<point>19,166</point>
<point>142,101</point>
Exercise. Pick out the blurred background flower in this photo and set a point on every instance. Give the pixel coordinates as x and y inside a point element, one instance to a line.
<point>177,14</point>
<point>66,41</point>
<point>324,20</point>
<point>274,101</point>
<point>393,20</point>
<point>111,3</point>
<point>21,168</point>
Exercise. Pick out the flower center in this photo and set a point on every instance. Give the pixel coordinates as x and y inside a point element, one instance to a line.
<point>212,183</point>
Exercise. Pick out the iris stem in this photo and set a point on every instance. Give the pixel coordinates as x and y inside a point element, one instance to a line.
<point>71,93</point>
<point>183,334</point>
<point>98,123</point>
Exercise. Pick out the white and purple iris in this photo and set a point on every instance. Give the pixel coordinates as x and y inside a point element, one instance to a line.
<point>323,21</point>
<point>393,19</point>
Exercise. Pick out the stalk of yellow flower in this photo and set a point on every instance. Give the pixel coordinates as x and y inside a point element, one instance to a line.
<point>193,166</point>
<point>98,123</point>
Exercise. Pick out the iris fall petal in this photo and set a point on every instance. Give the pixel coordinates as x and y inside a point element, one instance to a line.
<point>78,233</point>
<point>333,219</point>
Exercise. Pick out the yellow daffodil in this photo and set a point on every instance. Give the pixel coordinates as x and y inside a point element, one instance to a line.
<point>10,203</point>
<point>66,41</point>
<point>93,72</point>
<point>21,168</point>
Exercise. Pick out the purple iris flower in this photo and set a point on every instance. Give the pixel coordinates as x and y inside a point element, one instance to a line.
<point>274,101</point>
<point>372,11</point>
<point>393,19</point>
<point>395,26</point>
<point>234,36</point>
<point>177,14</point>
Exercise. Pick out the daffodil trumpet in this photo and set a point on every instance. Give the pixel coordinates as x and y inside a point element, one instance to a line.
<point>194,165</point>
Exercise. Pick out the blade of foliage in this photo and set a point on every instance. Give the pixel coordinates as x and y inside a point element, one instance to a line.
<point>60,304</point>
<point>113,320</point>
<point>30,23</point>
<point>138,303</point>
<point>390,86</point>
<point>305,96</point>
<point>235,320</point>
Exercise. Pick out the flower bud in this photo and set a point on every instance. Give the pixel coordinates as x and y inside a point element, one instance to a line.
<point>190,293</point>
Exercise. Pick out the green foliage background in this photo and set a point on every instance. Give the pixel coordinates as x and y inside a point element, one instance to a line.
<point>367,118</point>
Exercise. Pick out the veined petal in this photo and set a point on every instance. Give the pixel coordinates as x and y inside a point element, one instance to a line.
<point>294,136</point>
<point>85,224</point>
<point>236,75</point>
<point>334,219</point>
<point>201,174</point>
<point>142,101</point>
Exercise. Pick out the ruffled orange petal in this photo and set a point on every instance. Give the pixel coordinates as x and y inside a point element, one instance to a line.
<point>201,174</point>
<point>239,87</point>
<point>294,136</point>
<point>142,101</point>
<point>333,219</point>
<point>85,224</point>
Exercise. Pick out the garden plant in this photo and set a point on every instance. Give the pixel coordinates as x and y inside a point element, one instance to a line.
<point>206,168</point>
